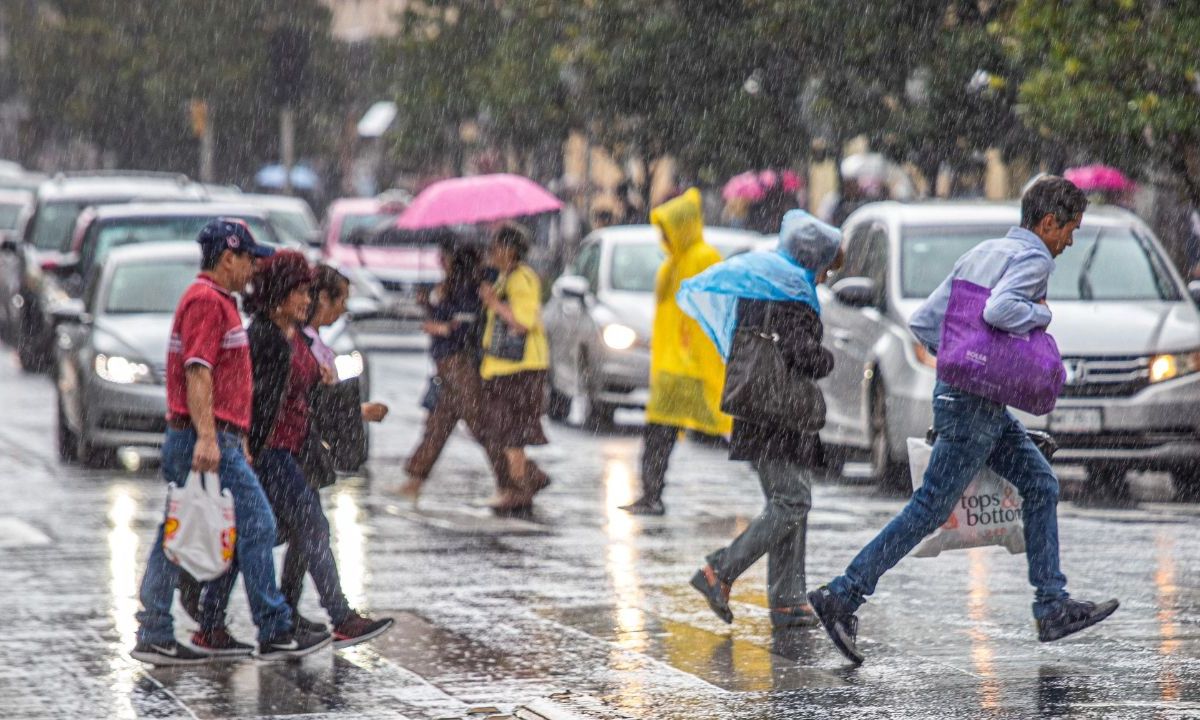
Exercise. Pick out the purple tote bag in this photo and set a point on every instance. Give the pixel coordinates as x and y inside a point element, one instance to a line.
<point>1023,371</point>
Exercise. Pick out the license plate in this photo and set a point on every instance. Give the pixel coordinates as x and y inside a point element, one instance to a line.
<point>1077,420</point>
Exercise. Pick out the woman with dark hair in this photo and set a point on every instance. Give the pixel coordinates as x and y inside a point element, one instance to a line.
<point>284,375</point>
<point>452,324</point>
<point>516,357</point>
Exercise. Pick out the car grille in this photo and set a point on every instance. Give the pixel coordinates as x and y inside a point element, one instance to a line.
<point>1105,377</point>
<point>133,423</point>
<point>400,286</point>
<point>1112,440</point>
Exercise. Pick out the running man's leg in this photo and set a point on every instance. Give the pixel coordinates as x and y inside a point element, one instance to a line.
<point>1018,460</point>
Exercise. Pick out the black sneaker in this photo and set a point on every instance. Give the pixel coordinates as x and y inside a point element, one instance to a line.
<point>168,653</point>
<point>312,626</point>
<point>219,643</point>
<point>841,624</point>
<point>714,591</point>
<point>1071,616</point>
<point>645,507</point>
<point>292,645</point>
<point>356,629</point>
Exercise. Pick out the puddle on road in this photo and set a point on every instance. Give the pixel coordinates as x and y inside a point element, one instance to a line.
<point>725,661</point>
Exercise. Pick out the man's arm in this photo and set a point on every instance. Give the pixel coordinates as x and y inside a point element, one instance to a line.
<point>207,455</point>
<point>1015,305</point>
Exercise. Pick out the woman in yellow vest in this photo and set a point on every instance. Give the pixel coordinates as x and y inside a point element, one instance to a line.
<point>515,359</point>
<point>686,371</point>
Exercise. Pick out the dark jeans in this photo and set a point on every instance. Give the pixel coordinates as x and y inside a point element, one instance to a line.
<point>971,432</point>
<point>303,524</point>
<point>657,443</point>
<point>255,538</point>
<point>778,531</point>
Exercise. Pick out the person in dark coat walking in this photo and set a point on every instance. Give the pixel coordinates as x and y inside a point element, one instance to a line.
<point>774,295</point>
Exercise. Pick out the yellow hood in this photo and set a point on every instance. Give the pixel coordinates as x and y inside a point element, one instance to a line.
<point>681,221</point>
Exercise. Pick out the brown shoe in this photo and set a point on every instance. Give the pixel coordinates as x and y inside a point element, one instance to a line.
<point>797,616</point>
<point>411,490</point>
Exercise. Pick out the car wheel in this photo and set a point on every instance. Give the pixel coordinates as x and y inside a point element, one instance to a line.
<point>1106,484</point>
<point>599,415</point>
<point>886,473</point>
<point>1186,479</point>
<point>33,359</point>
<point>68,444</point>
<point>91,455</point>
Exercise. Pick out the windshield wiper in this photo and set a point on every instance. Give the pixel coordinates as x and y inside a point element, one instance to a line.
<point>1086,291</point>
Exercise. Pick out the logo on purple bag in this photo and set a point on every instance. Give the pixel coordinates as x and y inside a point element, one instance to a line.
<point>977,357</point>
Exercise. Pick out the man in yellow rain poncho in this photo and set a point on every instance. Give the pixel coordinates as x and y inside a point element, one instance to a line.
<point>686,372</point>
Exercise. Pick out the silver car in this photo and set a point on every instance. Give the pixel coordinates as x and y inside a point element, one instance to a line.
<point>600,314</point>
<point>1126,325</point>
<point>112,350</point>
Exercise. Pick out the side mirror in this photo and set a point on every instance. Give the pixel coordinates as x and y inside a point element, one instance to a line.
<point>9,243</point>
<point>70,311</point>
<point>572,286</point>
<point>858,292</point>
<point>1194,291</point>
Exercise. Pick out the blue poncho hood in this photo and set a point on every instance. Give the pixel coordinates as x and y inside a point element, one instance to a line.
<point>807,247</point>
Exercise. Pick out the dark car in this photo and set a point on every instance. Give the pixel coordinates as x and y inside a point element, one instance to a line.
<point>14,206</point>
<point>46,235</point>
<point>111,352</point>
<point>100,229</point>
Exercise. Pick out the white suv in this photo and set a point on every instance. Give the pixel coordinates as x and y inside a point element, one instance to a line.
<point>1125,322</point>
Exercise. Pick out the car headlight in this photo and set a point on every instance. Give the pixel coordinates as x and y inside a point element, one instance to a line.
<point>619,337</point>
<point>349,365</point>
<point>122,370</point>
<point>1167,366</point>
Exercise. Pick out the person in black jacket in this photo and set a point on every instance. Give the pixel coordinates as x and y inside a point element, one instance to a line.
<point>783,456</point>
<point>284,375</point>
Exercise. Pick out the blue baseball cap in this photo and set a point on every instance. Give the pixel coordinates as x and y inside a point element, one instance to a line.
<point>230,234</point>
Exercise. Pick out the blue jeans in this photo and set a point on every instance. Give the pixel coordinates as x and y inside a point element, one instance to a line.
<point>302,524</point>
<point>971,432</point>
<point>255,538</point>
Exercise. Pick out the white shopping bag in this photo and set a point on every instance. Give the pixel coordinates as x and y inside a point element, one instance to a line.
<point>199,533</point>
<point>988,513</point>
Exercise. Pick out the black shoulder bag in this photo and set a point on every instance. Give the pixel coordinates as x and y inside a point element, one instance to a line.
<point>506,343</point>
<point>762,388</point>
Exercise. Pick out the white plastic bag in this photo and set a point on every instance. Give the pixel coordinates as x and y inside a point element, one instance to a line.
<point>199,533</point>
<point>988,513</point>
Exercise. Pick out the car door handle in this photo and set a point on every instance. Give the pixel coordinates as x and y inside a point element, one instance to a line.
<point>841,337</point>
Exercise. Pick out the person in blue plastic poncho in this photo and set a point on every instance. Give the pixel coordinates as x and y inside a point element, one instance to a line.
<point>771,292</point>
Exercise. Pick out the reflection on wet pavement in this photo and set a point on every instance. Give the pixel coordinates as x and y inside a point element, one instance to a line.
<point>499,613</point>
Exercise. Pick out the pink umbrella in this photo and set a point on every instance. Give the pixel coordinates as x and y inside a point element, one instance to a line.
<point>476,199</point>
<point>753,186</point>
<point>1099,178</point>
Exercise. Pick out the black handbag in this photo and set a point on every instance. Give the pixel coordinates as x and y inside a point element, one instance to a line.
<point>762,388</point>
<point>337,434</point>
<point>316,459</point>
<point>433,391</point>
<point>506,343</point>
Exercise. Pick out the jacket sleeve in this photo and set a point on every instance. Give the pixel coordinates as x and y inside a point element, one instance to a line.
<point>270,359</point>
<point>800,339</point>
<point>1014,306</point>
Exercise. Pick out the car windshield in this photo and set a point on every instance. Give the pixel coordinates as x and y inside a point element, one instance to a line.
<point>351,223</point>
<point>634,266</point>
<point>148,286</point>
<point>294,227</point>
<point>1102,264</point>
<point>53,223</point>
<point>9,215</point>
<point>133,231</point>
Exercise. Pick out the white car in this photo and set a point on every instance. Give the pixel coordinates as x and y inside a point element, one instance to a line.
<point>1124,320</point>
<point>600,314</point>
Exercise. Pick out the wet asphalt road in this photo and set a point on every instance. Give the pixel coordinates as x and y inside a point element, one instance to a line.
<point>581,611</point>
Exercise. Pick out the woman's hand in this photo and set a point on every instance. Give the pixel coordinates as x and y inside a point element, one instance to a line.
<point>328,375</point>
<point>487,294</point>
<point>374,412</point>
<point>437,329</point>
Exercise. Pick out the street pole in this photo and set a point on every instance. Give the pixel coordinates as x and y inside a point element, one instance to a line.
<point>207,152</point>
<point>287,145</point>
